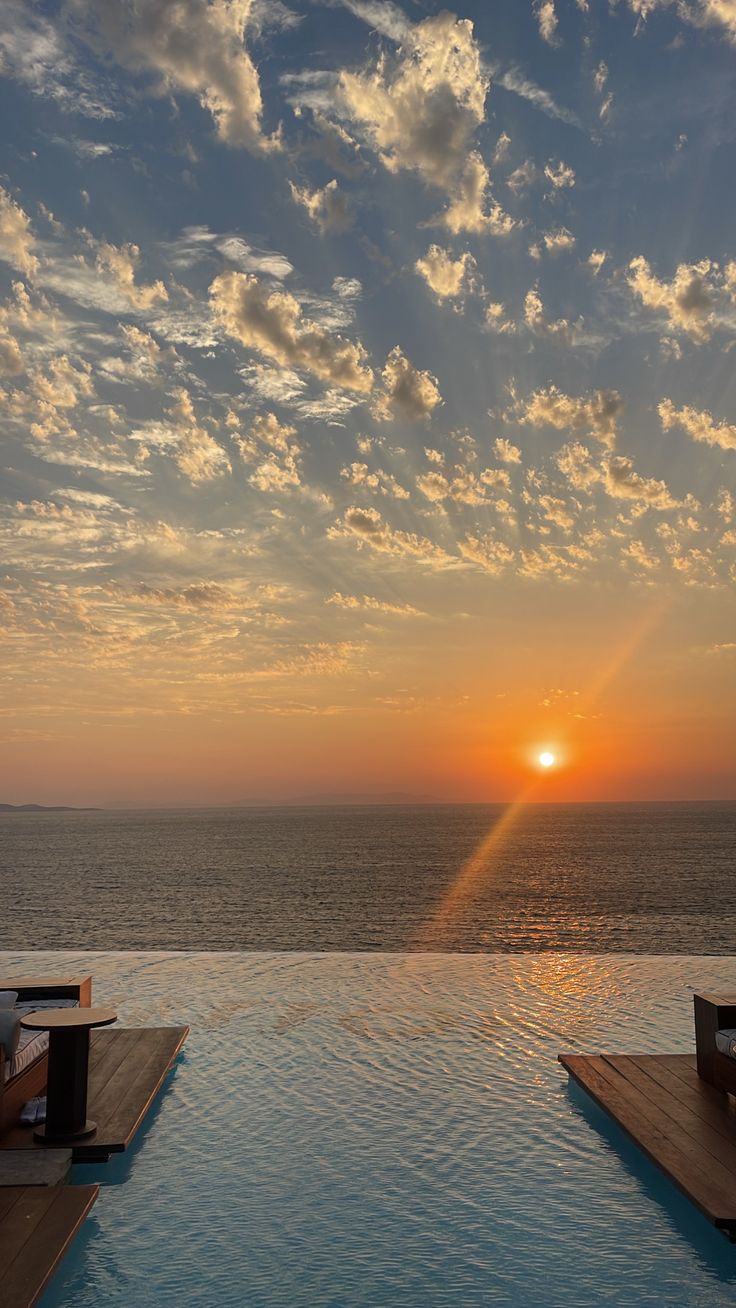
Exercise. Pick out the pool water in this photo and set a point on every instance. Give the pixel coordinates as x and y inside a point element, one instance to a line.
<point>379,1130</point>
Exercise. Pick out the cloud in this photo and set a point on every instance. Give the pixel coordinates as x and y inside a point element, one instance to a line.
<point>700,13</point>
<point>271,323</point>
<point>407,391</point>
<point>596,413</point>
<point>688,301</point>
<point>198,455</point>
<point>467,210</point>
<point>621,481</point>
<point>17,241</point>
<point>191,47</point>
<point>369,527</point>
<point>34,52</point>
<point>11,359</point>
<point>380,482</point>
<point>444,275</point>
<point>488,552</point>
<point>505,451</point>
<point>420,109</point>
<point>559,241</point>
<point>369,604</point>
<point>699,424</point>
<point>561,175</point>
<point>119,264</point>
<point>328,208</point>
<point>596,260</point>
<point>522,177</point>
<point>514,80</point>
<point>278,468</point>
<point>574,462</point>
<point>547,20</point>
<point>536,320</point>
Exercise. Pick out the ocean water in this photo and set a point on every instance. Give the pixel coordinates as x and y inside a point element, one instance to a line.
<point>646,878</point>
<point>391,1131</point>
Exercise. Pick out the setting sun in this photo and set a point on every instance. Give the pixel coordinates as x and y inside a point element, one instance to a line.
<point>546,760</point>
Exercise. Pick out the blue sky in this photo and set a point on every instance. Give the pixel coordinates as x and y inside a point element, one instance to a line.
<point>343,343</point>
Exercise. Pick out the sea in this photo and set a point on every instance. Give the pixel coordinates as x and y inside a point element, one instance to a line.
<point>656,878</point>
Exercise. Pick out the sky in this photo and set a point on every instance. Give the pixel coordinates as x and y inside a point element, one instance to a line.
<point>369,410</point>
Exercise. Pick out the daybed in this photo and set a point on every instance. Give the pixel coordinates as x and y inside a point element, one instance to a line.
<point>23,1075</point>
<point>715,1040</point>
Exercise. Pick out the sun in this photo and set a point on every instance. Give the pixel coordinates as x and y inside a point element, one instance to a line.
<point>546,760</point>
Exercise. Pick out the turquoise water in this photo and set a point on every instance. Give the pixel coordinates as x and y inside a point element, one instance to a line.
<point>379,1130</point>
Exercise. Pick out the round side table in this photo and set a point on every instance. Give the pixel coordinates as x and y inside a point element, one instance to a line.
<point>66,1094</point>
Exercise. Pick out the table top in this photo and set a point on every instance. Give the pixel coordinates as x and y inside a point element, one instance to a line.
<point>55,1018</point>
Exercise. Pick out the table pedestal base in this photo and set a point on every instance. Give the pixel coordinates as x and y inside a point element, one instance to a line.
<point>41,1134</point>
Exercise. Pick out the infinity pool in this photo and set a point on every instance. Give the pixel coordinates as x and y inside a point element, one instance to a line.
<point>379,1130</point>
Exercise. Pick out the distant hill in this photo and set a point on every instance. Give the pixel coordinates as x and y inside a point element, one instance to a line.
<point>44,808</point>
<point>390,797</point>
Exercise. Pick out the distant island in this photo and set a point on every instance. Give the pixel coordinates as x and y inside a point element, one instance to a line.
<point>389,797</point>
<point>44,808</point>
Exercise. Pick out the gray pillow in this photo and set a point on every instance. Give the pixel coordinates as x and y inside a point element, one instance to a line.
<point>8,998</point>
<point>9,1031</point>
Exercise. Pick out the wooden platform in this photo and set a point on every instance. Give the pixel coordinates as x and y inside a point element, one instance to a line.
<point>686,1127</point>
<point>127,1068</point>
<point>37,1224</point>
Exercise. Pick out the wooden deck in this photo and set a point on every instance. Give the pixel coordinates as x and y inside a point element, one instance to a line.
<point>127,1068</point>
<point>37,1224</point>
<point>685,1126</point>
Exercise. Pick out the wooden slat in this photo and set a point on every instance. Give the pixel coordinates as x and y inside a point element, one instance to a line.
<point>137,1080</point>
<point>711,1188</point>
<point>703,1100</point>
<point>665,1101</point>
<point>34,1236</point>
<point>8,1197</point>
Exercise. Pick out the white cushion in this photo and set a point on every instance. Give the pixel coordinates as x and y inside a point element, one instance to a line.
<point>9,1031</point>
<point>726,1041</point>
<point>8,998</point>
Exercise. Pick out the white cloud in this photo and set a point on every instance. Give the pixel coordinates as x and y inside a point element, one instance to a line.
<point>17,241</point>
<point>467,210</point>
<point>369,527</point>
<point>596,413</point>
<point>699,424</point>
<point>623,482</point>
<point>547,20</point>
<point>688,301</point>
<point>328,208</point>
<point>505,451</point>
<point>421,108</point>
<point>378,481</point>
<point>369,604</point>
<point>443,274</point>
<point>198,455</point>
<point>559,241</point>
<point>407,391</point>
<point>560,175</point>
<point>522,177</point>
<point>271,323</point>
<point>119,263</point>
<point>191,47</point>
<point>700,13</point>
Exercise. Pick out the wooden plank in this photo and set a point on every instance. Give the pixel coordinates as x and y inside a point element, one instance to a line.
<point>8,1198</point>
<point>685,1121</point>
<point>138,1080</point>
<point>702,1100</point>
<point>35,1235</point>
<point>712,1190</point>
<point>108,1049</point>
